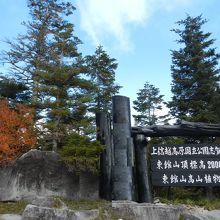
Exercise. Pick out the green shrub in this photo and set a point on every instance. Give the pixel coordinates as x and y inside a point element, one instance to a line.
<point>80,153</point>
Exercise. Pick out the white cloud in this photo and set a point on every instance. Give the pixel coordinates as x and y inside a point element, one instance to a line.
<point>109,19</point>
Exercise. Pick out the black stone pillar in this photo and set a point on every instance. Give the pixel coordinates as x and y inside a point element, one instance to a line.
<point>143,185</point>
<point>103,131</point>
<point>122,175</point>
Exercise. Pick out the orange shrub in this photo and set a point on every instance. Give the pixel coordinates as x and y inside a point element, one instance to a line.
<point>16,131</point>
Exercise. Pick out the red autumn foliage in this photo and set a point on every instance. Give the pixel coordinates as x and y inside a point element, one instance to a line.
<point>16,131</point>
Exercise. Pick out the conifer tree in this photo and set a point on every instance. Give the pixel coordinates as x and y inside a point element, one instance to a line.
<point>195,73</point>
<point>148,102</point>
<point>102,69</point>
<point>14,91</point>
<point>47,60</point>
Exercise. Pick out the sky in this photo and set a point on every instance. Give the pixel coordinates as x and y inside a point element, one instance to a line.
<point>134,32</point>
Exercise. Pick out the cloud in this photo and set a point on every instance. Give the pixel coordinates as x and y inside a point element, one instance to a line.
<point>172,4</point>
<point>112,19</point>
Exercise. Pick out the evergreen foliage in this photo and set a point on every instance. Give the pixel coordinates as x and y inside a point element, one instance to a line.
<point>102,69</point>
<point>48,73</point>
<point>13,90</point>
<point>30,53</point>
<point>80,153</point>
<point>46,59</point>
<point>147,103</point>
<point>195,73</point>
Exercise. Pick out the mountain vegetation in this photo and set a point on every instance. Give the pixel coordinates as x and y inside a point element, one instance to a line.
<point>16,131</point>
<point>195,73</point>
<point>148,103</point>
<point>49,74</point>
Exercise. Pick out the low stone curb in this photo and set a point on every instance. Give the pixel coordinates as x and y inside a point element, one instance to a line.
<point>33,212</point>
<point>10,217</point>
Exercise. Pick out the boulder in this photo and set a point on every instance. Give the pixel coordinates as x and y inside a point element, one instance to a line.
<point>146,211</point>
<point>43,173</point>
<point>198,214</point>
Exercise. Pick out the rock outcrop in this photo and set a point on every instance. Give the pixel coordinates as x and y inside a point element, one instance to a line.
<point>45,208</point>
<point>55,209</point>
<point>43,173</point>
<point>200,214</point>
<point>145,211</point>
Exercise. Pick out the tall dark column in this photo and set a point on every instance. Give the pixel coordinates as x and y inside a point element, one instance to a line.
<point>122,176</point>
<point>103,131</point>
<point>143,185</point>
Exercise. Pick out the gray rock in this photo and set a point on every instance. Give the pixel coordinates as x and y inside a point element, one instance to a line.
<point>198,214</point>
<point>43,173</point>
<point>214,214</point>
<point>146,211</point>
<point>10,217</point>
<point>156,200</point>
<point>194,216</point>
<point>33,212</point>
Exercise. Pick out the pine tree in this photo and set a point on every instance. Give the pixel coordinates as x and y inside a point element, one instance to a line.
<point>47,60</point>
<point>148,102</point>
<point>14,91</point>
<point>28,54</point>
<point>102,69</point>
<point>195,73</point>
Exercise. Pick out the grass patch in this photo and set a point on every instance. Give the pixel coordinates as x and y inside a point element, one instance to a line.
<point>12,207</point>
<point>104,207</point>
<point>202,202</point>
<point>86,204</point>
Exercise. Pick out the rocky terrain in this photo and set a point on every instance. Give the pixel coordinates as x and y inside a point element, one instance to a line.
<point>43,173</point>
<point>43,209</point>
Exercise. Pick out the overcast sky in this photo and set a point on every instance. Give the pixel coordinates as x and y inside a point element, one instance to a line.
<point>135,32</point>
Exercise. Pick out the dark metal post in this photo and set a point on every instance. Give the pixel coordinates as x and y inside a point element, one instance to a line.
<point>143,185</point>
<point>104,136</point>
<point>122,169</point>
